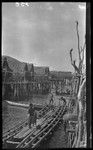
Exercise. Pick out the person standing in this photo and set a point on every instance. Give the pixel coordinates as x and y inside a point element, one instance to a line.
<point>51,100</point>
<point>31,115</point>
<point>35,118</point>
<point>59,101</point>
<point>63,100</point>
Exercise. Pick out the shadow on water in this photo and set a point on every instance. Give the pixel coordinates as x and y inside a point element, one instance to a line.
<point>56,139</point>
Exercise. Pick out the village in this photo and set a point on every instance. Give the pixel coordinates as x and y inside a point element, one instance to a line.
<point>44,76</point>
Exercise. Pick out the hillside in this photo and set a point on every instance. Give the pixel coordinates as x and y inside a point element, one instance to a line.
<point>18,66</point>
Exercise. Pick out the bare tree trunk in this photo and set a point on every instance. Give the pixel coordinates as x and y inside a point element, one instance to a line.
<point>78,41</point>
<point>81,85</point>
<point>80,115</point>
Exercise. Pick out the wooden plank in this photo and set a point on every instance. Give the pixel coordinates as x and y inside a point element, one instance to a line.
<point>43,125</point>
<point>36,132</point>
<point>20,134</point>
<point>43,130</point>
<point>12,142</point>
<point>50,112</point>
<point>70,130</point>
<point>28,132</point>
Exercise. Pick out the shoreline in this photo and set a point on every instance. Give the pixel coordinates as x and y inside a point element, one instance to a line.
<point>26,105</point>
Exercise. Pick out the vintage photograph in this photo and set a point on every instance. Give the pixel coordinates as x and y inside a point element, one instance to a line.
<point>44,75</point>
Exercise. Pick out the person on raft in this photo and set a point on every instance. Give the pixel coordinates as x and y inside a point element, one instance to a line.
<point>63,99</point>
<point>35,118</point>
<point>51,100</point>
<point>31,112</point>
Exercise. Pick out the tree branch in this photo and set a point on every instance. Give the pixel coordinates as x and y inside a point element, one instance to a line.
<point>81,62</point>
<point>82,49</point>
<point>73,62</point>
<point>76,68</point>
<point>78,39</point>
<point>71,55</point>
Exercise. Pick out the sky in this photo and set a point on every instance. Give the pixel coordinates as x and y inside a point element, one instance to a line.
<point>43,33</point>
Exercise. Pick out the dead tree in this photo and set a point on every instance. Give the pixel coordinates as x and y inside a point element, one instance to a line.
<point>82,77</point>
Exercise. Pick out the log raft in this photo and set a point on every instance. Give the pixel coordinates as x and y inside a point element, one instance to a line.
<point>23,137</point>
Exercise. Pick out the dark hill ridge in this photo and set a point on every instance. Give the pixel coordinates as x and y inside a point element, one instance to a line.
<point>14,64</point>
<point>18,66</point>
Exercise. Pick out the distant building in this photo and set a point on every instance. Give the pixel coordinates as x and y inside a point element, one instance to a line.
<point>59,75</point>
<point>23,71</point>
<point>7,75</point>
<point>43,75</point>
<point>32,72</point>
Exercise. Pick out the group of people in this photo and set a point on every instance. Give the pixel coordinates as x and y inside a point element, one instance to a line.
<point>33,114</point>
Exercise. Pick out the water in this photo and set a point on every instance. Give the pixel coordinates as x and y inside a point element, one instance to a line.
<point>57,139</point>
<point>12,115</point>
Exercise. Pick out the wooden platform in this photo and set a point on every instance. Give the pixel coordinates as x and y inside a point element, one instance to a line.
<point>22,133</point>
<point>25,131</point>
